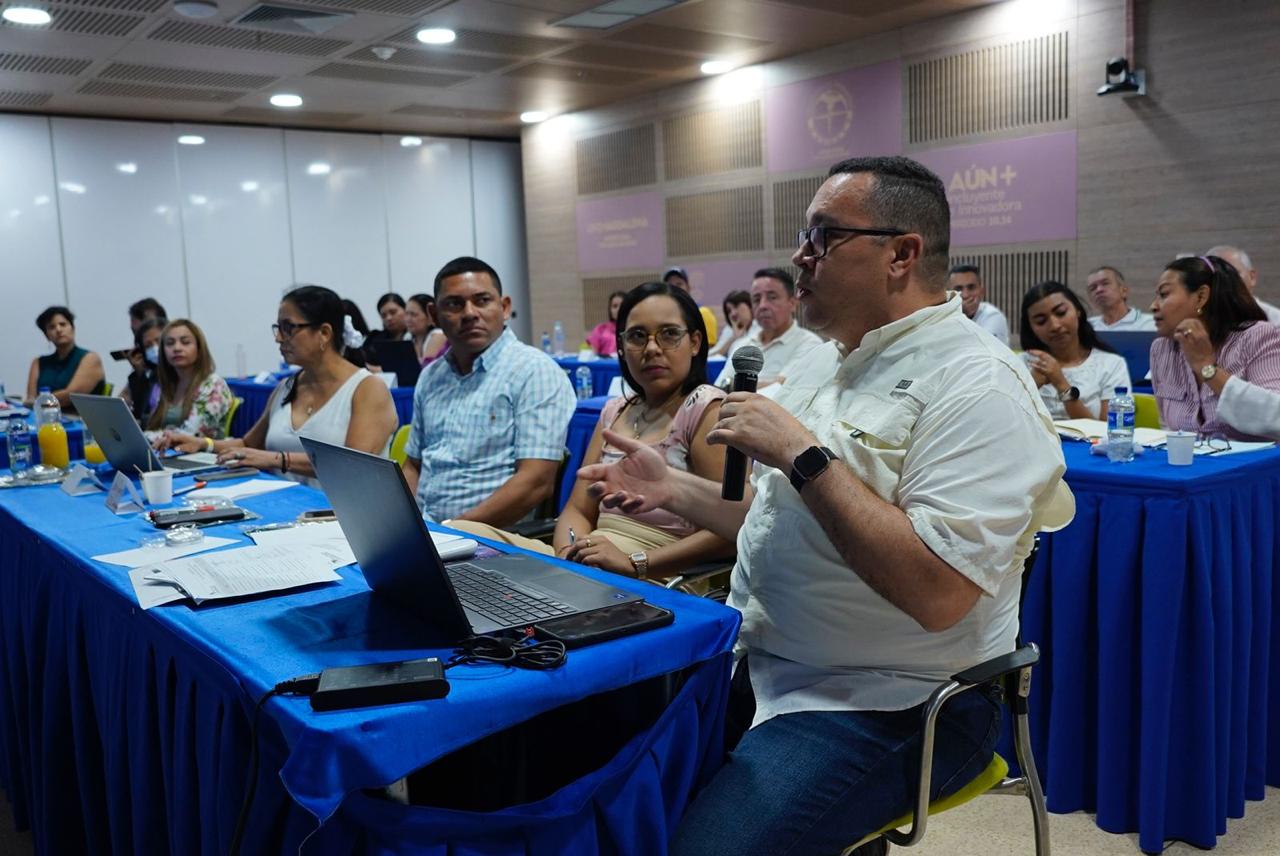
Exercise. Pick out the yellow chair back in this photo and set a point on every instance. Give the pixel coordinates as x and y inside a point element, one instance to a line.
<point>1145,412</point>
<point>398,444</point>
<point>231,414</point>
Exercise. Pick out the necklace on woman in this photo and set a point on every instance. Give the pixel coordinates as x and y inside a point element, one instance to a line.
<point>642,420</point>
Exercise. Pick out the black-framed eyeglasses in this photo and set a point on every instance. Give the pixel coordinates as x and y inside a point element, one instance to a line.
<point>813,241</point>
<point>668,338</point>
<point>286,329</point>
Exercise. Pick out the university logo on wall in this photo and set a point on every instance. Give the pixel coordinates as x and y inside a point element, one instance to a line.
<point>814,123</point>
<point>831,115</point>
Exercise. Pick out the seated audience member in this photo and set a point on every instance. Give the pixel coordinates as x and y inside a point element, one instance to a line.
<point>679,277</point>
<point>69,368</point>
<point>967,280</point>
<point>490,417</point>
<point>329,399</point>
<point>1209,332</point>
<point>143,310</point>
<point>1076,371</point>
<point>355,338</point>
<point>1107,291</point>
<point>420,321</point>
<point>603,338</point>
<point>142,388</point>
<point>883,549</point>
<point>193,399</point>
<point>739,323</point>
<point>663,356</point>
<point>391,308</point>
<point>1240,260</point>
<point>784,342</point>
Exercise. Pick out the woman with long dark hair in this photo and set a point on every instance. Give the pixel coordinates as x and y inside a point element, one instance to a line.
<point>329,399</point>
<point>1076,371</point>
<point>1210,330</point>
<point>662,352</point>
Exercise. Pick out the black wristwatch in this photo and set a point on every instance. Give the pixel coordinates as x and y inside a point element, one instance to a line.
<point>810,464</point>
<point>1071,393</point>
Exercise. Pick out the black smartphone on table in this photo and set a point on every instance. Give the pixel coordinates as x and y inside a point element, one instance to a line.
<point>588,628</point>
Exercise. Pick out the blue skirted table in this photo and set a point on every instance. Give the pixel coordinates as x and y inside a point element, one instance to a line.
<point>605,369</point>
<point>1157,701</point>
<point>75,443</point>
<point>129,731</point>
<point>254,398</point>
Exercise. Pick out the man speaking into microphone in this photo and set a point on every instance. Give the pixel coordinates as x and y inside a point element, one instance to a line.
<point>902,471</point>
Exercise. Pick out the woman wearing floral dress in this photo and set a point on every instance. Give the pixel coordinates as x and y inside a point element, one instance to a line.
<point>193,399</point>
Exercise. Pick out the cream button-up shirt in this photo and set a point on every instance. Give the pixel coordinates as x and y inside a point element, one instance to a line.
<point>937,417</point>
<point>792,346</point>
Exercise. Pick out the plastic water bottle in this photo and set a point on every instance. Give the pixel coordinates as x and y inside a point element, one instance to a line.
<point>582,382</point>
<point>50,434</point>
<point>1120,426</point>
<point>19,440</point>
<point>557,339</point>
<point>546,342</point>
<point>242,362</point>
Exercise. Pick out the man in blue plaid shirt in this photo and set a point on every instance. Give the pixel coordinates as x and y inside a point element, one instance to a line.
<point>490,417</point>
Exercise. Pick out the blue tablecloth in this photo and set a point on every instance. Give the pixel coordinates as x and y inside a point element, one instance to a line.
<point>255,397</point>
<point>605,369</point>
<point>127,731</point>
<point>1157,701</point>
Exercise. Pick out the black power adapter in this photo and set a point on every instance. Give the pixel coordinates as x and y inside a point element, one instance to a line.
<point>380,683</point>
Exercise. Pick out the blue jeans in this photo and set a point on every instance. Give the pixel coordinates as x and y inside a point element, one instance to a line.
<point>816,782</point>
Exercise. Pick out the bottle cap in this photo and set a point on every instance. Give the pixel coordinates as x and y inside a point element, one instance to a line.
<point>45,389</point>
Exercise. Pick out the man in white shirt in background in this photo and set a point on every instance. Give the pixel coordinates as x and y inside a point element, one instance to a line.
<point>773,302</point>
<point>1242,263</point>
<point>883,549</point>
<point>967,280</point>
<point>1108,291</point>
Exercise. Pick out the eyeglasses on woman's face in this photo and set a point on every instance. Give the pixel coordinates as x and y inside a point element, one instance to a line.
<point>286,329</point>
<point>668,337</point>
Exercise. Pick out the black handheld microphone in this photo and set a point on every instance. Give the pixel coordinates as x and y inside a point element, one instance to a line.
<point>747,363</point>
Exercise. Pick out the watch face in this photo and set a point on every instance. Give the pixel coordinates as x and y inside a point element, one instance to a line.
<point>811,462</point>
<point>1208,371</point>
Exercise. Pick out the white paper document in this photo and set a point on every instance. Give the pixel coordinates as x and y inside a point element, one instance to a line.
<point>139,556</point>
<point>302,535</point>
<point>235,573</point>
<point>243,490</point>
<point>1237,446</point>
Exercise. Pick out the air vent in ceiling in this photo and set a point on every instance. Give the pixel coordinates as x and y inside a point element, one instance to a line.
<point>287,19</point>
<point>10,98</point>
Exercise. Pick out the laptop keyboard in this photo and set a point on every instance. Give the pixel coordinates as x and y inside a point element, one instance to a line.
<point>492,595</point>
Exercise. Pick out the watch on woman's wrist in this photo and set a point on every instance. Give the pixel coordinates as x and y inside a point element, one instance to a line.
<point>1207,372</point>
<point>1071,393</point>
<point>640,564</point>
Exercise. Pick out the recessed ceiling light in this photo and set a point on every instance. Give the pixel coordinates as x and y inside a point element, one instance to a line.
<point>318,168</point>
<point>73,187</point>
<point>248,186</point>
<point>716,66</point>
<point>196,8</point>
<point>198,199</point>
<point>127,168</point>
<point>410,142</point>
<point>532,117</point>
<point>436,36</point>
<point>191,140</point>
<point>286,99</point>
<point>26,15</point>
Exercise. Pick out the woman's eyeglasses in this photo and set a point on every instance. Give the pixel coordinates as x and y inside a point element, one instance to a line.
<point>286,329</point>
<point>668,338</point>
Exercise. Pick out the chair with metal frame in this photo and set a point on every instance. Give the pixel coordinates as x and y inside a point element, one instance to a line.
<point>1011,673</point>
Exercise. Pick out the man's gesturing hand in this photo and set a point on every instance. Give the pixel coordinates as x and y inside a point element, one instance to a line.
<point>639,482</point>
<point>761,428</point>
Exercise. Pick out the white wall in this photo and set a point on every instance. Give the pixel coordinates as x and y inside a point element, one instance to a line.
<point>96,214</point>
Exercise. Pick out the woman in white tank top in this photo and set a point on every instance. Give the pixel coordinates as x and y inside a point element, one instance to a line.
<point>329,399</point>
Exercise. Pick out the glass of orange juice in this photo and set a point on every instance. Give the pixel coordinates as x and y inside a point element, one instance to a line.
<point>92,451</point>
<point>52,438</point>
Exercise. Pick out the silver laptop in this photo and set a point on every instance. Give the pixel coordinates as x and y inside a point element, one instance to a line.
<point>390,540</point>
<point>124,444</point>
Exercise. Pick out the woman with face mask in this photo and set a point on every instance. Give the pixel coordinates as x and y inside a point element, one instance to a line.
<point>142,389</point>
<point>193,399</point>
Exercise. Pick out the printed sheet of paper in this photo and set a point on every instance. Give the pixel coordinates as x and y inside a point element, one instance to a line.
<point>235,573</point>
<point>139,556</point>
<point>243,490</point>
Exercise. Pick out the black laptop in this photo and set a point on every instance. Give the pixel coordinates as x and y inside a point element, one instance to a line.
<point>399,356</point>
<point>390,540</point>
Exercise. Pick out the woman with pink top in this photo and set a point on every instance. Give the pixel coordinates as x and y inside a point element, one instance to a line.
<point>604,338</point>
<point>662,352</point>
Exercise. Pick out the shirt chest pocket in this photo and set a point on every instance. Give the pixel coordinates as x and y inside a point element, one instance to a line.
<point>872,434</point>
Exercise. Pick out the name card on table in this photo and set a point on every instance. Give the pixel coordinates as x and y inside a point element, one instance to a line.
<point>81,481</point>
<point>120,486</point>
